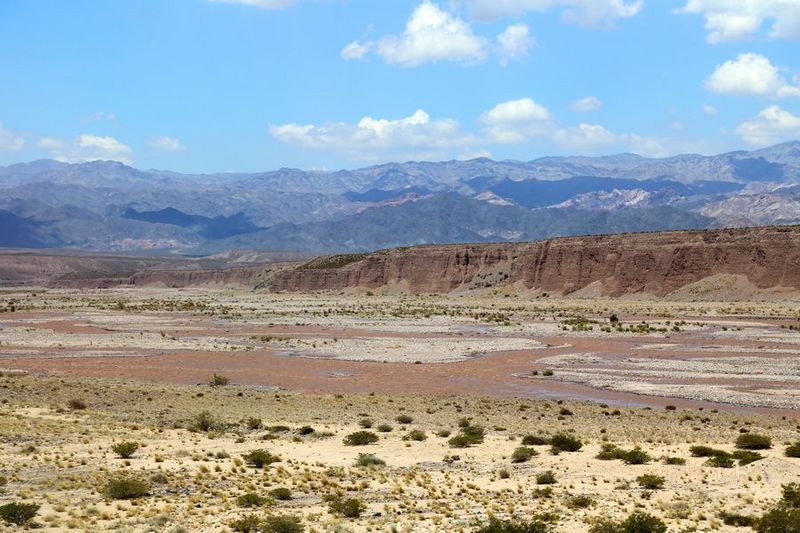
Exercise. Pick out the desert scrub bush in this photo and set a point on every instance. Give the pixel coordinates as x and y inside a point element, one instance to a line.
<point>349,508</point>
<point>790,495</point>
<point>706,451</point>
<point>218,381</point>
<point>125,488</point>
<point>467,436</point>
<point>369,459</point>
<point>650,481</point>
<point>384,428</point>
<point>546,478</point>
<point>253,423</point>
<point>581,501</point>
<point>415,435</point>
<point>563,442</point>
<point>281,493</point>
<point>752,441</point>
<point>637,522</point>
<point>793,450</point>
<point>745,457</point>
<point>779,520</point>
<point>125,450</point>
<point>366,423</point>
<point>203,422</point>
<point>250,523</point>
<point>535,440</point>
<point>534,525</point>
<point>251,499</point>
<point>282,524</point>
<point>305,431</point>
<point>18,513</point>
<point>360,438</point>
<point>523,454</point>
<point>76,404</point>
<point>738,520</point>
<point>636,456</point>
<point>721,461</point>
<point>403,419</point>
<point>674,461</point>
<point>260,458</point>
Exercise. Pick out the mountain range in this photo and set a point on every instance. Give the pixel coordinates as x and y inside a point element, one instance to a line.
<point>109,206</point>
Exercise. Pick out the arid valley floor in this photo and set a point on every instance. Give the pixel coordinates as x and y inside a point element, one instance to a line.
<point>637,382</point>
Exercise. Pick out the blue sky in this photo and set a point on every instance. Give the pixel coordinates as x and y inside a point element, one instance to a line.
<point>202,86</point>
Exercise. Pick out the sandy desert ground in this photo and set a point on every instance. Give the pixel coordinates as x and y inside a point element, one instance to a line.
<point>640,381</point>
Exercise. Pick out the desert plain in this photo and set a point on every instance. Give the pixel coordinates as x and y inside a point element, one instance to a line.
<point>353,411</point>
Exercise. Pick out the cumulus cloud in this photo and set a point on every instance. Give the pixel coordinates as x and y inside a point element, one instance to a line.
<point>771,126</point>
<point>432,35</point>
<point>10,141</point>
<point>514,43</point>
<point>513,121</point>
<point>263,4</point>
<point>750,74</point>
<point>87,147</point>
<point>586,105</point>
<point>584,12</point>
<point>356,50</point>
<point>413,137</point>
<point>165,143</point>
<point>732,20</point>
<point>709,109</point>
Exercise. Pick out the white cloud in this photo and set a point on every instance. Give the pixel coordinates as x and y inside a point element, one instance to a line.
<point>732,20</point>
<point>356,50</point>
<point>709,109</point>
<point>10,141</point>
<point>165,143</point>
<point>584,12</point>
<point>263,4</point>
<point>100,115</point>
<point>413,137</point>
<point>750,74</point>
<point>771,126</point>
<point>516,120</point>
<point>586,105</point>
<point>514,42</point>
<point>585,137</point>
<point>432,35</point>
<point>87,147</point>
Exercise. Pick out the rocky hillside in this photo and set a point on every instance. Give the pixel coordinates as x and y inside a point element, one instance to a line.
<point>739,263</point>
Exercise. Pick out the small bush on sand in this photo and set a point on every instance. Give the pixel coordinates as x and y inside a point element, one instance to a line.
<point>218,381</point>
<point>203,422</point>
<point>250,523</point>
<point>674,461</point>
<point>251,499</point>
<point>650,481</point>
<point>562,442</point>
<point>260,458</point>
<point>18,513</point>
<point>76,404</point>
<point>404,419</point>
<point>349,508</point>
<point>534,525</point>
<point>415,435</point>
<point>468,435</point>
<point>791,495</point>
<point>779,520</point>
<point>706,451</point>
<point>636,456</point>
<point>581,501</point>
<point>523,454</point>
<point>637,522</point>
<point>253,423</point>
<point>366,423</point>
<point>535,440</point>
<point>752,441</point>
<point>360,438</point>
<point>125,449</point>
<point>384,428</point>
<point>369,459</point>
<point>125,488</point>
<point>745,457</point>
<point>281,493</point>
<point>793,450</point>
<point>721,461</point>
<point>282,524</point>
<point>546,478</point>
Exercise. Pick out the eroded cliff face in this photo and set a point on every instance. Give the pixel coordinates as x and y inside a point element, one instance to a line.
<point>654,264</point>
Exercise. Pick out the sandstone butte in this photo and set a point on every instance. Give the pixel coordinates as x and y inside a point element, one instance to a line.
<point>735,263</point>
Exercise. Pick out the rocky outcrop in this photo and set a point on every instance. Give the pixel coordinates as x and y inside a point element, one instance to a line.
<point>654,264</point>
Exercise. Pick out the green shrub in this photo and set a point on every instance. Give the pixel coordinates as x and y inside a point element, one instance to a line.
<point>535,440</point>
<point>247,524</point>
<point>125,449</point>
<point>369,459</point>
<point>253,423</point>
<point>282,524</point>
<point>679,461</point>
<point>305,430</point>
<point>203,422</point>
<point>609,452</point>
<point>706,451</point>
<point>745,457</point>
<point>218,381</point>
<point>349,508</point>
<point>791,495</point>
<point>384,428</point>
<point>779,520</point>
<point>467,436</point>
<point>535,525</point>
<point>281,493</point>
<point>793,450</point>
<point>360,438</point>
<point>751,441</point>
<point>650,481</point>
<point>125,488</point>
<point>76,404</point>
<point>260,458</point>
<point>580,502</point>
<point>404,419</point>
<point>721,461</point>
<point>366,423</point>
<point>637,522</point>
<point>523,454</point>
<point>415,435</point>
<point>562,442</point>
<point>18,513</point>
<point>251,499</point>
<point>738,520</point>
<point>637,456</point>
<point>546,478</point>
